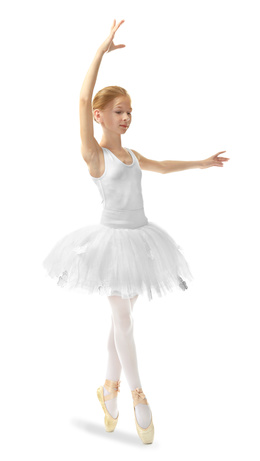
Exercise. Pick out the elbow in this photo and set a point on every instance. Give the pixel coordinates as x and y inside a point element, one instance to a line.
<point>85,99</point>
<point>163,169</point>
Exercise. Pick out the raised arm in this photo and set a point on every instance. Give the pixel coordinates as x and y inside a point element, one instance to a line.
<point>89,145</point>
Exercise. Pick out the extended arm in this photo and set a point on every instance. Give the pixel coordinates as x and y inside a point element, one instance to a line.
<point>170,166</point>
<point>177,165</point>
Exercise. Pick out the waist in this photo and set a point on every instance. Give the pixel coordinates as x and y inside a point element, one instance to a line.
<point>129,219</point>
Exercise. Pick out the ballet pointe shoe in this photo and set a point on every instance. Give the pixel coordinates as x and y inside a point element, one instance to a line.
<point>110,422</point>
<point>147,434</point>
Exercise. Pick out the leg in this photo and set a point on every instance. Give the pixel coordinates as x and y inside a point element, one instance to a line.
<point>126,350</point>
<point>114,366</point>
<point>123,338</point>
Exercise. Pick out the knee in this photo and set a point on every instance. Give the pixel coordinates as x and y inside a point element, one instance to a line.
<point>124,322</point>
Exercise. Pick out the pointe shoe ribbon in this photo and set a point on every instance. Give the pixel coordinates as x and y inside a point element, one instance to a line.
<point>112,387</point>
<point>139,397</point>
<point>145,434</point>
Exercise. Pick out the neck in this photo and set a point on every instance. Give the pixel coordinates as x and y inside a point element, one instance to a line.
<point>112,141</point>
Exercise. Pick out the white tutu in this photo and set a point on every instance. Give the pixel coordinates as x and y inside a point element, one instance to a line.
<point>119,261</point>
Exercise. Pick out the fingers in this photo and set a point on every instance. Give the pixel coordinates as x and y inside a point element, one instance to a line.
<point>119,24</point>
<point>220,161</point>
<point>222,158</point>
<point>114,27</point>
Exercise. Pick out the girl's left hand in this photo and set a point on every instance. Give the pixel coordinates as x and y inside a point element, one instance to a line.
<point>108,45</point>
<point>214,160</point>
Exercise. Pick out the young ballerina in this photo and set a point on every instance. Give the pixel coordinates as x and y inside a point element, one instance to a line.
<point>125,255</point>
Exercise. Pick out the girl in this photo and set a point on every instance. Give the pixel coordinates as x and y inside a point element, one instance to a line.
<point>125,255</point>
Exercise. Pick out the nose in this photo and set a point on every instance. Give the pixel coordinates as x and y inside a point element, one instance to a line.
<point>126,116</point>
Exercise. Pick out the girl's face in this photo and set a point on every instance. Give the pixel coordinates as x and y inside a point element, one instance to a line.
<point>116,116</point>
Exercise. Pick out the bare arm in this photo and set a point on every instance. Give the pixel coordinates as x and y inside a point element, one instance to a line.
<point>89,145</point>
<point>179,165</point>
<point>170,166</point>
<point>165,166</point>
<point>87,88</point>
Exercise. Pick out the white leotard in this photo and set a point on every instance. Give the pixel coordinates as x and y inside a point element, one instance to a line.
<point>121,191</point>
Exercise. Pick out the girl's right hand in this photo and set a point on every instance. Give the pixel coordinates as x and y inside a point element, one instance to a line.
<point>108,45</point>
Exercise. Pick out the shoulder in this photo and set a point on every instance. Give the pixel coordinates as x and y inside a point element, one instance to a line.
<point>138,156</point>
<point>149,164</point>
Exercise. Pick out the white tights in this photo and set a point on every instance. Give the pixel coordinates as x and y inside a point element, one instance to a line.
<point>122,354</point>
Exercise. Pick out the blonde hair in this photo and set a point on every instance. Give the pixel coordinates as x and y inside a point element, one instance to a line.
<point>106,95</point>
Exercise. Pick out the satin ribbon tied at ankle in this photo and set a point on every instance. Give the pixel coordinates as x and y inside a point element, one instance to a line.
<point>139,397</point>
<point>112,386</point>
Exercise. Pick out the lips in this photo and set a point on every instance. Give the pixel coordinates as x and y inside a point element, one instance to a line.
<point>125,126</point>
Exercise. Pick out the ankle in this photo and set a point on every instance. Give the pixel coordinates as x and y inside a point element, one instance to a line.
<point>111,386</point>
<point>138,396</point>
<point>106,392</point>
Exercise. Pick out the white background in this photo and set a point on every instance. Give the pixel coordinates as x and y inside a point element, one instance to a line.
<point>192,71</point>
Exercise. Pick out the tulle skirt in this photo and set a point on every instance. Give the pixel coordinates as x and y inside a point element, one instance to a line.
<point>119,261</point>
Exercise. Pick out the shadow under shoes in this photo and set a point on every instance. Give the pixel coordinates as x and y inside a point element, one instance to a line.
<point>113,388</point>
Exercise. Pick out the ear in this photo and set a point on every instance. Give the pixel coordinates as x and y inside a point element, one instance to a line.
<point>96,114</point>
